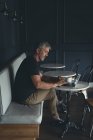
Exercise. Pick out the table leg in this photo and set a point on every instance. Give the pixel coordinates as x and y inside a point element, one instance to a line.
<point>68,123</point>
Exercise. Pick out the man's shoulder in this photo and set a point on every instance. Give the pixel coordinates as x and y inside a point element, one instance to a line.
<point>28,59</point>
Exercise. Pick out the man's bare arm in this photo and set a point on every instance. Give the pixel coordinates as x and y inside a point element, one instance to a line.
<point>39,84</point>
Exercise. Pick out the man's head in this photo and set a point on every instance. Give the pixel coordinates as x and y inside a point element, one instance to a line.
<point>42,51</point>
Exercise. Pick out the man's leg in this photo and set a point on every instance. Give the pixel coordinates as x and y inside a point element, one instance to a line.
<point>53,100</point>
<point>42,95</point>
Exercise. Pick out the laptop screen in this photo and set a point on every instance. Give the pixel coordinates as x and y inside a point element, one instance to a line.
<point>74,81</point>
<point>77,78</point>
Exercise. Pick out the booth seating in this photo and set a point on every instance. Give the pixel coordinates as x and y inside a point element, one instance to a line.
<point>17,121</point>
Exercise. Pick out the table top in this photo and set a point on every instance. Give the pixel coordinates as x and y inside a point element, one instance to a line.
<point>52,66</point>
<point>80,86</point>
<point>60,73</point>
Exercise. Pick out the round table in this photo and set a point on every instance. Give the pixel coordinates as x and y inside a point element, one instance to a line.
<point>59,73</point>
<point>80,86</point>
<point>52,66</point>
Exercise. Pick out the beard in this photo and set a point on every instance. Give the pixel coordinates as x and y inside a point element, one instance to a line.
<point>43,58</point>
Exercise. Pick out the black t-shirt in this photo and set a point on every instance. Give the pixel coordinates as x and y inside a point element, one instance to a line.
<point>23,85</point>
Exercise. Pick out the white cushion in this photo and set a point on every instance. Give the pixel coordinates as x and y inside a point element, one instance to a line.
<point>13,113</point>
<point>5,84</point>
<point>16,63</point>
<point>23,114</point>
<point>5,90</point>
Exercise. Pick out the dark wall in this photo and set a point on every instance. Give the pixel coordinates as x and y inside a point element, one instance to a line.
<point>12,33</point>
<point>78,21</point>
<point>42,24</point>
<point>42,20</point>
<point>66,24</point>
<point>78,33</point>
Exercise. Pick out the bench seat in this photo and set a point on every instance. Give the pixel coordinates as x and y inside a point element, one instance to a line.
<point>22,114</point>
<point>17,121</point>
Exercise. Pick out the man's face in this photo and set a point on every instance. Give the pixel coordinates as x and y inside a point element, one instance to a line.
<point>43,53</point>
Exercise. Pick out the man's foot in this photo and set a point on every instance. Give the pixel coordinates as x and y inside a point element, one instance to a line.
<point>57,121</point>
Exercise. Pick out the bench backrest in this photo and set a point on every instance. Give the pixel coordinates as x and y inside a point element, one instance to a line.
<point>5,90</point>
<point>16,63</point>
<point>5,83</point>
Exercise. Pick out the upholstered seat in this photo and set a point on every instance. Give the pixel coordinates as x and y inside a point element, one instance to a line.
<point>12,112</point>
<point>13,116</point>
<point>22,114</point>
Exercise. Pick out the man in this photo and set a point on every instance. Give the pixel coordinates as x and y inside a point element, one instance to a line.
<point>29,88</point>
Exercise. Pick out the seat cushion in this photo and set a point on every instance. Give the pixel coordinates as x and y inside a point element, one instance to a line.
<point>22,114</point>
<point>5,90</point>
<point>16,63</point>
<point>6,83</point>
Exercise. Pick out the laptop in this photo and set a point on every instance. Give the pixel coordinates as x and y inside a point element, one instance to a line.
<point>74,81</point>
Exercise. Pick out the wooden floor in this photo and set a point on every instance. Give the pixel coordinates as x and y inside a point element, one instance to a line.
<point>48,131</point>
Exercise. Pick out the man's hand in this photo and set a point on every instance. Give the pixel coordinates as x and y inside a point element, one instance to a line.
<point>61,82</point>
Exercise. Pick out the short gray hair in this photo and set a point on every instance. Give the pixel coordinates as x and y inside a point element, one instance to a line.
<point>44,45</point>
